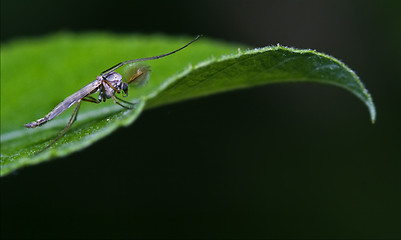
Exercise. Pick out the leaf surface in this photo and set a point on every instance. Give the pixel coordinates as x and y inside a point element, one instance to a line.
<point>37,74</point>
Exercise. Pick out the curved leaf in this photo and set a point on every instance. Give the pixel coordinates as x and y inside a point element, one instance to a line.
<point>38,74</point>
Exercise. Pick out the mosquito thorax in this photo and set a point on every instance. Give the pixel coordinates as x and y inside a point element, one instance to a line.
<point>114,78</point>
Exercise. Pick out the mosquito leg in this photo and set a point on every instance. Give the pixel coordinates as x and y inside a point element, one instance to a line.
<point>75,117</point>
<point>112,87</point>
<point>148,58</point>
<point>114,98</point>
<point>130,103</point>
<point>91,99</point>
<point>115,101</point>
<point>104,94</point>
<point>70,122</point>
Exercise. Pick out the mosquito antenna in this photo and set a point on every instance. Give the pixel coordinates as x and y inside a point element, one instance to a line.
<point>148,58</point>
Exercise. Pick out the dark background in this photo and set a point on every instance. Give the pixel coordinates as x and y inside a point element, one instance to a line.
<point>279,161</point>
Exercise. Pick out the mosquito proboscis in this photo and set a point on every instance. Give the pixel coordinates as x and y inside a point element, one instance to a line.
<point>107,85</point>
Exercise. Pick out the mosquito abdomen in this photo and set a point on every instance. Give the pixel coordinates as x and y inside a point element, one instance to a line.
<point>37,122</point>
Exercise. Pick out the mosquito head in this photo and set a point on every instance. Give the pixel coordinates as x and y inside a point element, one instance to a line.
<point>124,88</point>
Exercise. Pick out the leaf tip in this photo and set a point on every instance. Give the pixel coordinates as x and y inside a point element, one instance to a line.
<point>371,106</point>
<point>372,111</point>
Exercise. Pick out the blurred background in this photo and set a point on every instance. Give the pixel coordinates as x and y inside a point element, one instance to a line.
<point>279,161</point>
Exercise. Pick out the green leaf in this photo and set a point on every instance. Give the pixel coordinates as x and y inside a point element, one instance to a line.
<point>37,74</point>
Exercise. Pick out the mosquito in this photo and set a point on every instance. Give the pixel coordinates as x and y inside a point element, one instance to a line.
<point>107,85</point>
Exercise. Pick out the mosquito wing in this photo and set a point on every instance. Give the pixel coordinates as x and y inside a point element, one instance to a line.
<point>136,74</point>
<point>70,100</point>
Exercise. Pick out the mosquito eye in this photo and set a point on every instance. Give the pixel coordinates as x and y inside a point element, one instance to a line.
<point>124,87</point>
